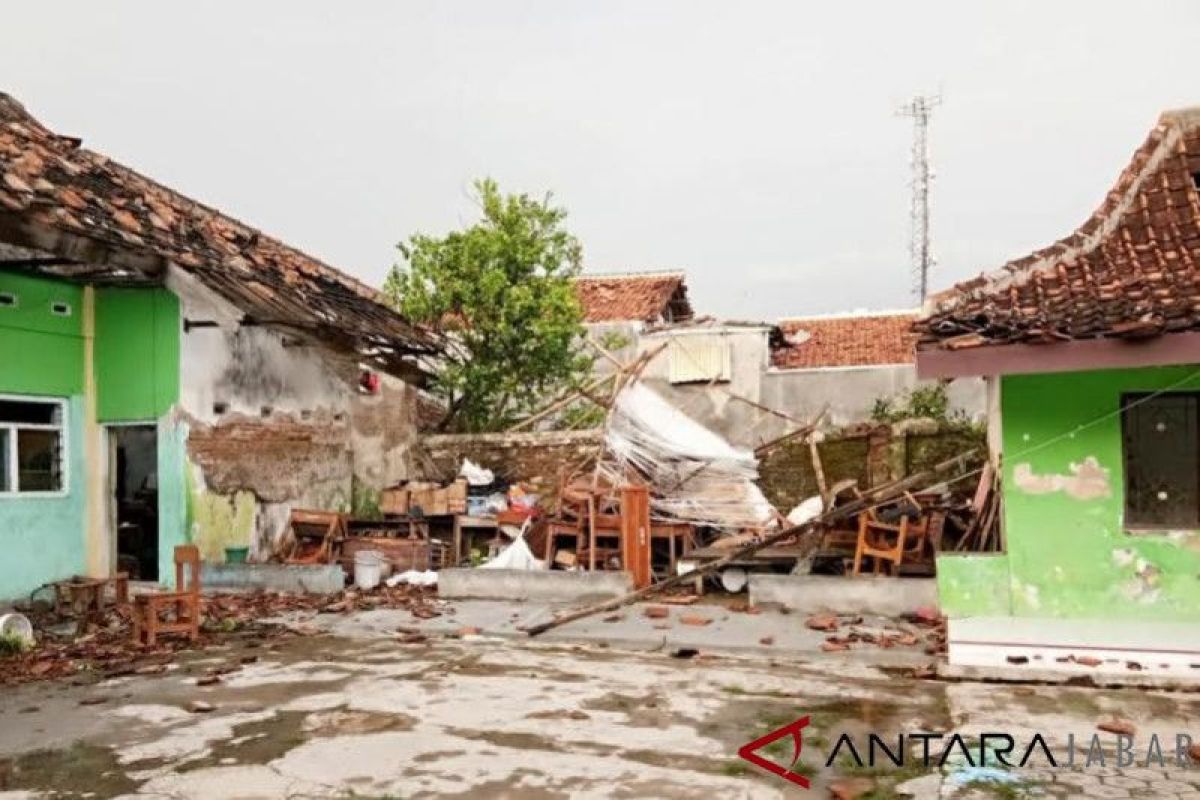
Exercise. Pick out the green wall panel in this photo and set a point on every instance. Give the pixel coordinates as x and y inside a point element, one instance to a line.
<point>1068,551</point>
<point>43,536</point>
<point>137,353</point>
<point>41,352</point>
<point>974,585</point>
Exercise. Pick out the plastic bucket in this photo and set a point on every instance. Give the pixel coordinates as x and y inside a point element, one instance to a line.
<point>236,555</point>
<point>17,625</point>
<point>368,569</point>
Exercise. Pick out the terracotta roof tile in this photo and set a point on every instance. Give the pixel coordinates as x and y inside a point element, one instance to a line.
<point>1130,270</point>
<point>58,197</point>
<point>852,340</point>
<point>643,297</point>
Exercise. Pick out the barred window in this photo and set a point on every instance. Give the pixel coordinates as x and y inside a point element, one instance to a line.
<point>1161,442</point>
<point>31,446</point>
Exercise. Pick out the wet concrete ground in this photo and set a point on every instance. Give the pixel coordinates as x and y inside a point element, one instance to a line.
<point>359,714</point>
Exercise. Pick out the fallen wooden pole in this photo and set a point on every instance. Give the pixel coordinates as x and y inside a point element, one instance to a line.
<point>880,494</point>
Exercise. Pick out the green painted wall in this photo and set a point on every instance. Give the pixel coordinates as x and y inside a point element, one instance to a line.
<point>41,352</point>
<point>1068,552</point>
<point>974,585</point>
<point>43,536</point>
<point>136,350</point>
<point>137,353</point>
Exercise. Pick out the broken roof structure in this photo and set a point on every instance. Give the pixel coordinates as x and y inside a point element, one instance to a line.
<point>75,214</point>
<point>634,296</point>
<point>1130,272</point>
<point>856,339</point>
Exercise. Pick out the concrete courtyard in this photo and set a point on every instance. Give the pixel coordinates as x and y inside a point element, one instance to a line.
<point>378,704</point>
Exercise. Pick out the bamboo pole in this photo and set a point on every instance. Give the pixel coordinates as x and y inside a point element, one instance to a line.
<point>869,499</point>
<point>562,402</point>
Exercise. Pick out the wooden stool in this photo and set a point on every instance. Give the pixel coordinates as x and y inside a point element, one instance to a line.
<point>182,607</point>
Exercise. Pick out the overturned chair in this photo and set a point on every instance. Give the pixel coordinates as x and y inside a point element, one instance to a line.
<point>171,612</point>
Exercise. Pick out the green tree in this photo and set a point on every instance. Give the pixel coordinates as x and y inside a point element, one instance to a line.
<point>502,290</point>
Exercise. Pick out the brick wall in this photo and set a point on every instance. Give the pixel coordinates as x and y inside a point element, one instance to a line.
<point>538,459</point>
<point>870,454</point>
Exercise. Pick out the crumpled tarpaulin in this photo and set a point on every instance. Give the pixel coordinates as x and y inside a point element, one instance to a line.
<point>694,474</point>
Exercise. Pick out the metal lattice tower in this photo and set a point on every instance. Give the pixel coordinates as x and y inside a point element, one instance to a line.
<point>920,108</point>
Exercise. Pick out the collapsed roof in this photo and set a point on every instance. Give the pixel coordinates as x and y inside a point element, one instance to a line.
<point>75,214</point>
<point>634,297</point>
<point>1130,271</point>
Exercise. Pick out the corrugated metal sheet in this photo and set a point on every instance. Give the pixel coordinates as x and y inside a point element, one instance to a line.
<point>700,358</point>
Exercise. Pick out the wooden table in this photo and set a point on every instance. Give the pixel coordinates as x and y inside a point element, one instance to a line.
<point>462,521</point>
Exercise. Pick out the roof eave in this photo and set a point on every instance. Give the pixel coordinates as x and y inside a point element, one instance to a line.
<point>1078,355</point>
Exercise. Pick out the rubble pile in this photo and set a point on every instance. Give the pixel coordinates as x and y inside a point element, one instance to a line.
<point>107,648</point>
<point>924,628</point>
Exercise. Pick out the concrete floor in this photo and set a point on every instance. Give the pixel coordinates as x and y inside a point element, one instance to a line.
<point>351,711</point>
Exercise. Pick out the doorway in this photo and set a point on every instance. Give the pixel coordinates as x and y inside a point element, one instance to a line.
<point>133,460</point>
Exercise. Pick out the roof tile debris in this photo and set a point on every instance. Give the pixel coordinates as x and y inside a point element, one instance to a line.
<point>851,340</point>
<point>1129,271</point>
<point>106,223</point>
<point>641,297</point>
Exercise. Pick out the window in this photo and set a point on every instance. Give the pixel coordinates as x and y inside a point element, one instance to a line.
<point>1161,437</point>
<point>31,446</point>
<point>699,358</point>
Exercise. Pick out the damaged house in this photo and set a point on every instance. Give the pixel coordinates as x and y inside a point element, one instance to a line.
<point>1090,348</point>
<point>755,381</point>
<point>171,374</point>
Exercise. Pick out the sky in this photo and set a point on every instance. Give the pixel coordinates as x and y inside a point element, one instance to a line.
<point>753,144</point>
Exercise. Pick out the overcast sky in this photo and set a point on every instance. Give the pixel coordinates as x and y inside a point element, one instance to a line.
<point>753,144</point>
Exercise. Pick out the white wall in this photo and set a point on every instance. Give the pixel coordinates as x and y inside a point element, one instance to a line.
<point>848,392</point>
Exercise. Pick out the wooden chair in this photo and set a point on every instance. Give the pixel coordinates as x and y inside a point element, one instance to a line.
<point>574,511</point>
<point>181,607</point>
<point>889,543</point>
<point>315,537</point>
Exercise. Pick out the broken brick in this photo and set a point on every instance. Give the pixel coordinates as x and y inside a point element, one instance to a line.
<point>657,612</point>
<point>822,622</point>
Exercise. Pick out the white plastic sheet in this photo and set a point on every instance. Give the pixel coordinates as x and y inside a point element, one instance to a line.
<point>695,475</point>
<point>516,556</point>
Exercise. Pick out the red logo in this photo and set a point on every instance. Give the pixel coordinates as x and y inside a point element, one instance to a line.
<point>747,751</point>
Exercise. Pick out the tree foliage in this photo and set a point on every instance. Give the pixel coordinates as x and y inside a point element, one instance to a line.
<point>503,290</point>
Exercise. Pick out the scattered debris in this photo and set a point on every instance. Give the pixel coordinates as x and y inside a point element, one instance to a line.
<point>822,622</point>
<point>695,620</point>
<point>1118,726</point>
<point>850,788</point>
<point>656,612</point>
<point>200,707</point>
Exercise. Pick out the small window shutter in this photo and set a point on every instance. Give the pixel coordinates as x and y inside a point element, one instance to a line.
<point>700,358</point>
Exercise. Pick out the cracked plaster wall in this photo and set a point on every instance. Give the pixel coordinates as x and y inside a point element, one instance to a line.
<point>1068,551</point>
<point>275,422</point>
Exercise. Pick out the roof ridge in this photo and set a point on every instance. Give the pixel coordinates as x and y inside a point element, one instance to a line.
<point>1091,233</point>
<point>679,273</point>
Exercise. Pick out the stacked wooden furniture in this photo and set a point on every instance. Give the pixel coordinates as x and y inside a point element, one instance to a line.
<point>604,527</point>
<point>894,543</point>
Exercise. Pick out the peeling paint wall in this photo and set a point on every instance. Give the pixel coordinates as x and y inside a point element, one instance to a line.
<point>1069,554</point>
<point>276,422</point>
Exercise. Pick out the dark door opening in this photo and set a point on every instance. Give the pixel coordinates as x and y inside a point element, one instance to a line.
<point>135,496</point>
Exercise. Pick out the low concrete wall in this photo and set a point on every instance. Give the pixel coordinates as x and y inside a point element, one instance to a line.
<point>315,579</point>
<point>889,597</point>
<point>551,585</point>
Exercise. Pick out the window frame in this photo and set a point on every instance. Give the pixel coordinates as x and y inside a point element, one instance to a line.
<point>1130,399</point>
<point>63,428</point>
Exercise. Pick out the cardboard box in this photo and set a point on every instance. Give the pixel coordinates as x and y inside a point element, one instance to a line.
<point>432,499</point>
